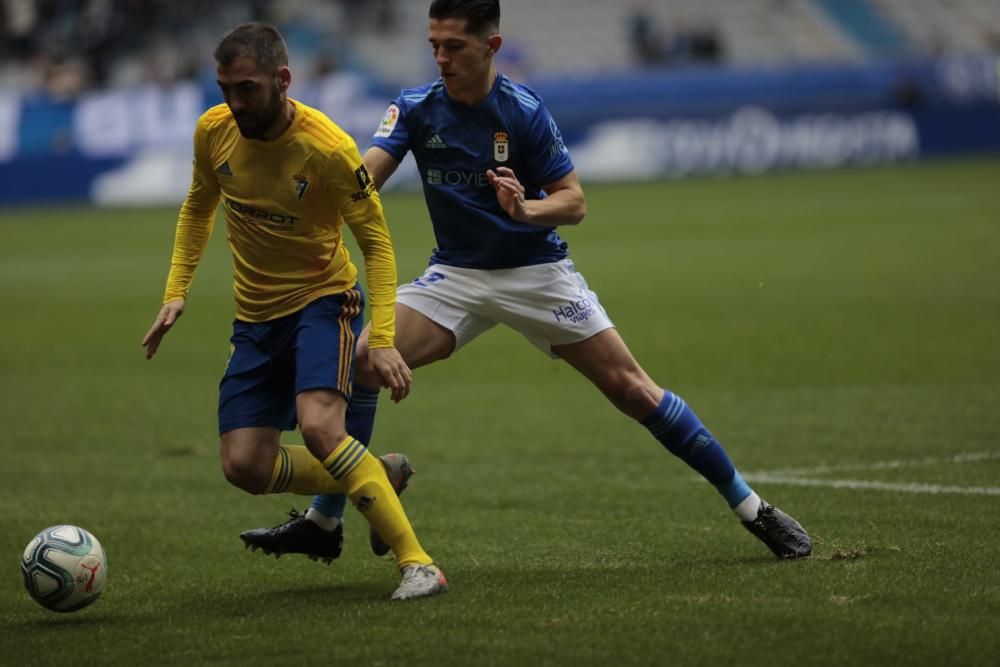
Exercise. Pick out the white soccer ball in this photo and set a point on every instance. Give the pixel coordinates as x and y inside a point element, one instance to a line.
<point>65,568</point>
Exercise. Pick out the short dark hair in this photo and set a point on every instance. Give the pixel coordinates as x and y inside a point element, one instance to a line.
<point>260,41</point>
<point>481,16</point>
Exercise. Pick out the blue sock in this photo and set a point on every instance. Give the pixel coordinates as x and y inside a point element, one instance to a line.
<point>330,505</point>
<point>361,414</point>
<point>360,423</point>
<point>678,429</point>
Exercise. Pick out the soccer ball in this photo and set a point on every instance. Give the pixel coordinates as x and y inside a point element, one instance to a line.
<point>65,568</point>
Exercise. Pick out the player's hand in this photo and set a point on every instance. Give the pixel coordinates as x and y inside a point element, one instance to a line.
<point>164,320</point>
<point>396,376</point>
<point>510,192</point>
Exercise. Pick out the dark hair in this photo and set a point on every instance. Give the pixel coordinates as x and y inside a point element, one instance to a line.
<point>481,16</point>
<point>259,41</point>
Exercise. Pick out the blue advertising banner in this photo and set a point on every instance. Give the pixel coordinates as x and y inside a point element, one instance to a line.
<point>133,146</point>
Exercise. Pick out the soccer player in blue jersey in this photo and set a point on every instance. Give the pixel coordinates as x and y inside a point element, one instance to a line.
<point>498,181</point>
<point>289,180</point>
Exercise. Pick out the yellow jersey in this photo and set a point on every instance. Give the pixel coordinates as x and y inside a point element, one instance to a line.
<point>285,201</point>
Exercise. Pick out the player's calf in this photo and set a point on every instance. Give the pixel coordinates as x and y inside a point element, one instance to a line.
<point>398,470</point>
<point>319,536</point>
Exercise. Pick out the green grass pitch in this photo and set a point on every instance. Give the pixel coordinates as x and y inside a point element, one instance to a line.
<point>834,329</point>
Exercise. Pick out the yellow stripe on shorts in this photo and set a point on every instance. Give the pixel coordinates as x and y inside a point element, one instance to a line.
<point>350,310</point>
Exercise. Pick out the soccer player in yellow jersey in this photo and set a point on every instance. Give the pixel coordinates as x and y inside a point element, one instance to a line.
<point>288,179</point>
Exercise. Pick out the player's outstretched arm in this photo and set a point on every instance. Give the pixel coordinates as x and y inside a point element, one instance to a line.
<point>194,227</point>
<point>380,165</point>
<point>164,321</point>
<point>395,375</point>
<point>362,211</point>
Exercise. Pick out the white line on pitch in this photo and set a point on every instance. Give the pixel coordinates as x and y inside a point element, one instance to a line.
<point>973,457</point>
<point>904,487</point>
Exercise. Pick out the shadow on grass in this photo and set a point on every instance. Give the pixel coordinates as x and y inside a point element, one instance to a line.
<point>326,594</point>
<point>525,577</point>
<point>52,621</point>
<point>229,603</point>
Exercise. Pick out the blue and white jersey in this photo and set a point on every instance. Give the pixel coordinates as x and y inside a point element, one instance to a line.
<point>454,144</point>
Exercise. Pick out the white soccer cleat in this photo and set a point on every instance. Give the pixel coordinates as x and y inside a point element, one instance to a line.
<point>420,581</point>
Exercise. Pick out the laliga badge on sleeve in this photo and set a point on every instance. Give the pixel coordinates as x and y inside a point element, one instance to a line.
<point>389,121</point>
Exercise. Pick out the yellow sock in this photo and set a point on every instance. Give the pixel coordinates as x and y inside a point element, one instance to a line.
<point>362,477</point>
<point>296,470</point>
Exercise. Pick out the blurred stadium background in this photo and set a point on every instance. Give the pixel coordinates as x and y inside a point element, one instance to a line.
<point>98,97</point>
<point>836,323</point>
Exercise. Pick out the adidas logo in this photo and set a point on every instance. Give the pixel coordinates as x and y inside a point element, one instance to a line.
<point>435,142</point>
<point>224,169</point>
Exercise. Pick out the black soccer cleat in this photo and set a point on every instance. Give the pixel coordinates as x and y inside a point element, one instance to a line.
<point>782,534</point>
<point>297,535</point>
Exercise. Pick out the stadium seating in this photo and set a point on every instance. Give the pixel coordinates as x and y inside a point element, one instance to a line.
<point>555,37</point>
<point>946,26</point>
<point>588,35</point>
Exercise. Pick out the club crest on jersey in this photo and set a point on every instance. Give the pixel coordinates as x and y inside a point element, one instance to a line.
<point>500,145</point>
<point>301,184</point>
<point>389,121</point>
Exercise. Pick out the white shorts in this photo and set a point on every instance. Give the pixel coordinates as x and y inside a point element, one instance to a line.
<point>549,304</point>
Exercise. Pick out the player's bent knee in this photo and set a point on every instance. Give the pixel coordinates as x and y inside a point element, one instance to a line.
<point>321,437</point>
<point>246,474</point>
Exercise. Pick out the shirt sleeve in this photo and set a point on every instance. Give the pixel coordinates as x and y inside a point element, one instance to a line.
<point>550,159</point>
<point>392,135</point>
<point>353,191</point>
<point>195,221</point>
